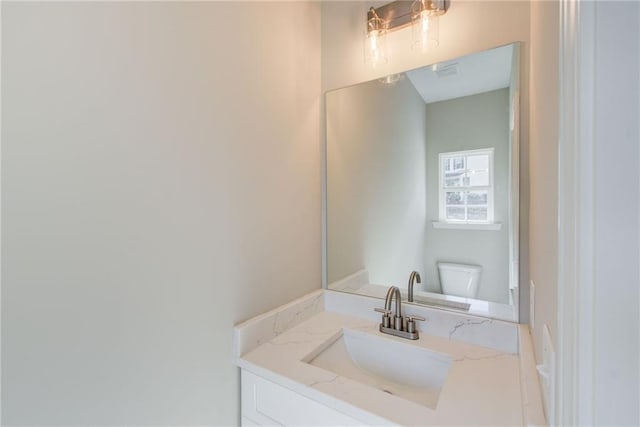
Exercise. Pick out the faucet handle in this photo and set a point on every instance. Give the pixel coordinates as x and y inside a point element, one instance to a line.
<point>386,316</point>
<point>411,322</point>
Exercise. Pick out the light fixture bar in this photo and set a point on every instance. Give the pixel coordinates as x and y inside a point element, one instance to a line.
<point>398,14</point>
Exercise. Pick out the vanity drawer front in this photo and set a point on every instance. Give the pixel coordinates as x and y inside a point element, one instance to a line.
<point>266,404</point>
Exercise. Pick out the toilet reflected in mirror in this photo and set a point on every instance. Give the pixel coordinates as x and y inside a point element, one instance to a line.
<point>459,280</point>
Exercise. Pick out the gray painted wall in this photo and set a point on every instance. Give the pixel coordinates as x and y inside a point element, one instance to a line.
<point>468,123</point>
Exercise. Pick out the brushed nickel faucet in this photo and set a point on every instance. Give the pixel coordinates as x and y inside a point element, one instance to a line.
<point>397,325</point>
<point>413,277</point>
<point>397,319</point>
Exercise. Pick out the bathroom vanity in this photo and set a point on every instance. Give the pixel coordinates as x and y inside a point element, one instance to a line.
<point>422,183</point>
<point>322,360</point>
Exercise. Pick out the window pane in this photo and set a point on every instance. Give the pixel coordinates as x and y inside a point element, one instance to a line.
<point>455,198</point>
<point>478,178</point>
<point>455,213</point>
<point>466,183</point>
<point>453,179</point>
<point>452,182</point>
<point>477,198</point>
<point>477,214</point>
<point>458,163</point>
<point>453,164</point>
<point>478,162</point>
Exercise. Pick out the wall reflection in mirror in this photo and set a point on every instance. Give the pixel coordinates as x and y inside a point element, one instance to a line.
<point>422,176</point>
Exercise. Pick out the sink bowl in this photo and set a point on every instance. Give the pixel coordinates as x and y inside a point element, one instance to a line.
<point>404,370</point>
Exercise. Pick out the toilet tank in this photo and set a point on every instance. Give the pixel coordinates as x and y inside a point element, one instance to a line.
<point>459,279</point>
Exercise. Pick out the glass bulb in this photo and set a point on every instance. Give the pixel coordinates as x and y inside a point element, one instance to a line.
<point>373,43</point>
<point>424,23</point>
<point>425,27</point>
<point>374,48</point>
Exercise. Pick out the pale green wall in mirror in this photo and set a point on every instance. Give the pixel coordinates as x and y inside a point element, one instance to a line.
<point>383,144</point>
<point>468,123</point>
<point>376,181</point>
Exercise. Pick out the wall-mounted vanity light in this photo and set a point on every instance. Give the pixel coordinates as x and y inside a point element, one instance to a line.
<point>422,15</point>
<point>375,43</point>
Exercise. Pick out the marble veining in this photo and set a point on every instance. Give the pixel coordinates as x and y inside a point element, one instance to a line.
<point>467,322</point>
<point>484,384</point>
<point>284,320</point>
<point>263,328</point>
<point>316,383</point>
<point>492,333</point>
<point>531,396</point>
<point>358,283</point>
<point>476,358</point>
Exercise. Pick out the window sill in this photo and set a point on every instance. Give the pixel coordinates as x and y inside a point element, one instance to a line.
<point>453,226</point>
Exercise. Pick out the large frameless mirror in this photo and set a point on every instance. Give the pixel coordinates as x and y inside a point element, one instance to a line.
<point>422,178</point>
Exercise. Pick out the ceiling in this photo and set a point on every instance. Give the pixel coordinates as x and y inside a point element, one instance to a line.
<point>469,75</point>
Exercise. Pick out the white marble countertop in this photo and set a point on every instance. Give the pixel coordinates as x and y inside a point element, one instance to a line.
<point>481,388</point>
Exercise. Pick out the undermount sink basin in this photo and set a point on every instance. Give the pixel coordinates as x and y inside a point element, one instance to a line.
<point>404,370</point>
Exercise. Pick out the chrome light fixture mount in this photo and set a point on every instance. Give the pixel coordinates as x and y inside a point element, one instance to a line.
<point>399,14</point>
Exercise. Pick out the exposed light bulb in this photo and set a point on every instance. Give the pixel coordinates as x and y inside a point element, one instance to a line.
<point>375,53</point>
<point>424,27</point>
<point>373,43</point>
<point>424,23</point>
<point>374,40</point>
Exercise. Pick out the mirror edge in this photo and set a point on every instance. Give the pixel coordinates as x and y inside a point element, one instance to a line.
<point>515,204</point>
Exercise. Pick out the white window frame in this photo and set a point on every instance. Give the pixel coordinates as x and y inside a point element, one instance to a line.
<point>489,188</point>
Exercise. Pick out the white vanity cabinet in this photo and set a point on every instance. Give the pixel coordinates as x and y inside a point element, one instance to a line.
<point>265,403</point>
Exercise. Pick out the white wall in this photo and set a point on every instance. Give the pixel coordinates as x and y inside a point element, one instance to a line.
<point>470,123</point>
<point>606,337</point>
<point>543,178</point>
<point>468,26</point>
<point>160,182</point>
<point>617,214</point>
<point>376,208</point>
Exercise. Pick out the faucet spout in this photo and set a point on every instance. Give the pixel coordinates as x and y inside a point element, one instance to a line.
<point>413,277</point>
<point>388,298</point>
<point>394,292</point>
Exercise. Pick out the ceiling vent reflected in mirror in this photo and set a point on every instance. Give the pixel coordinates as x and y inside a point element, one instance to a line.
<point>469,75</point>
<point>445,70</point>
